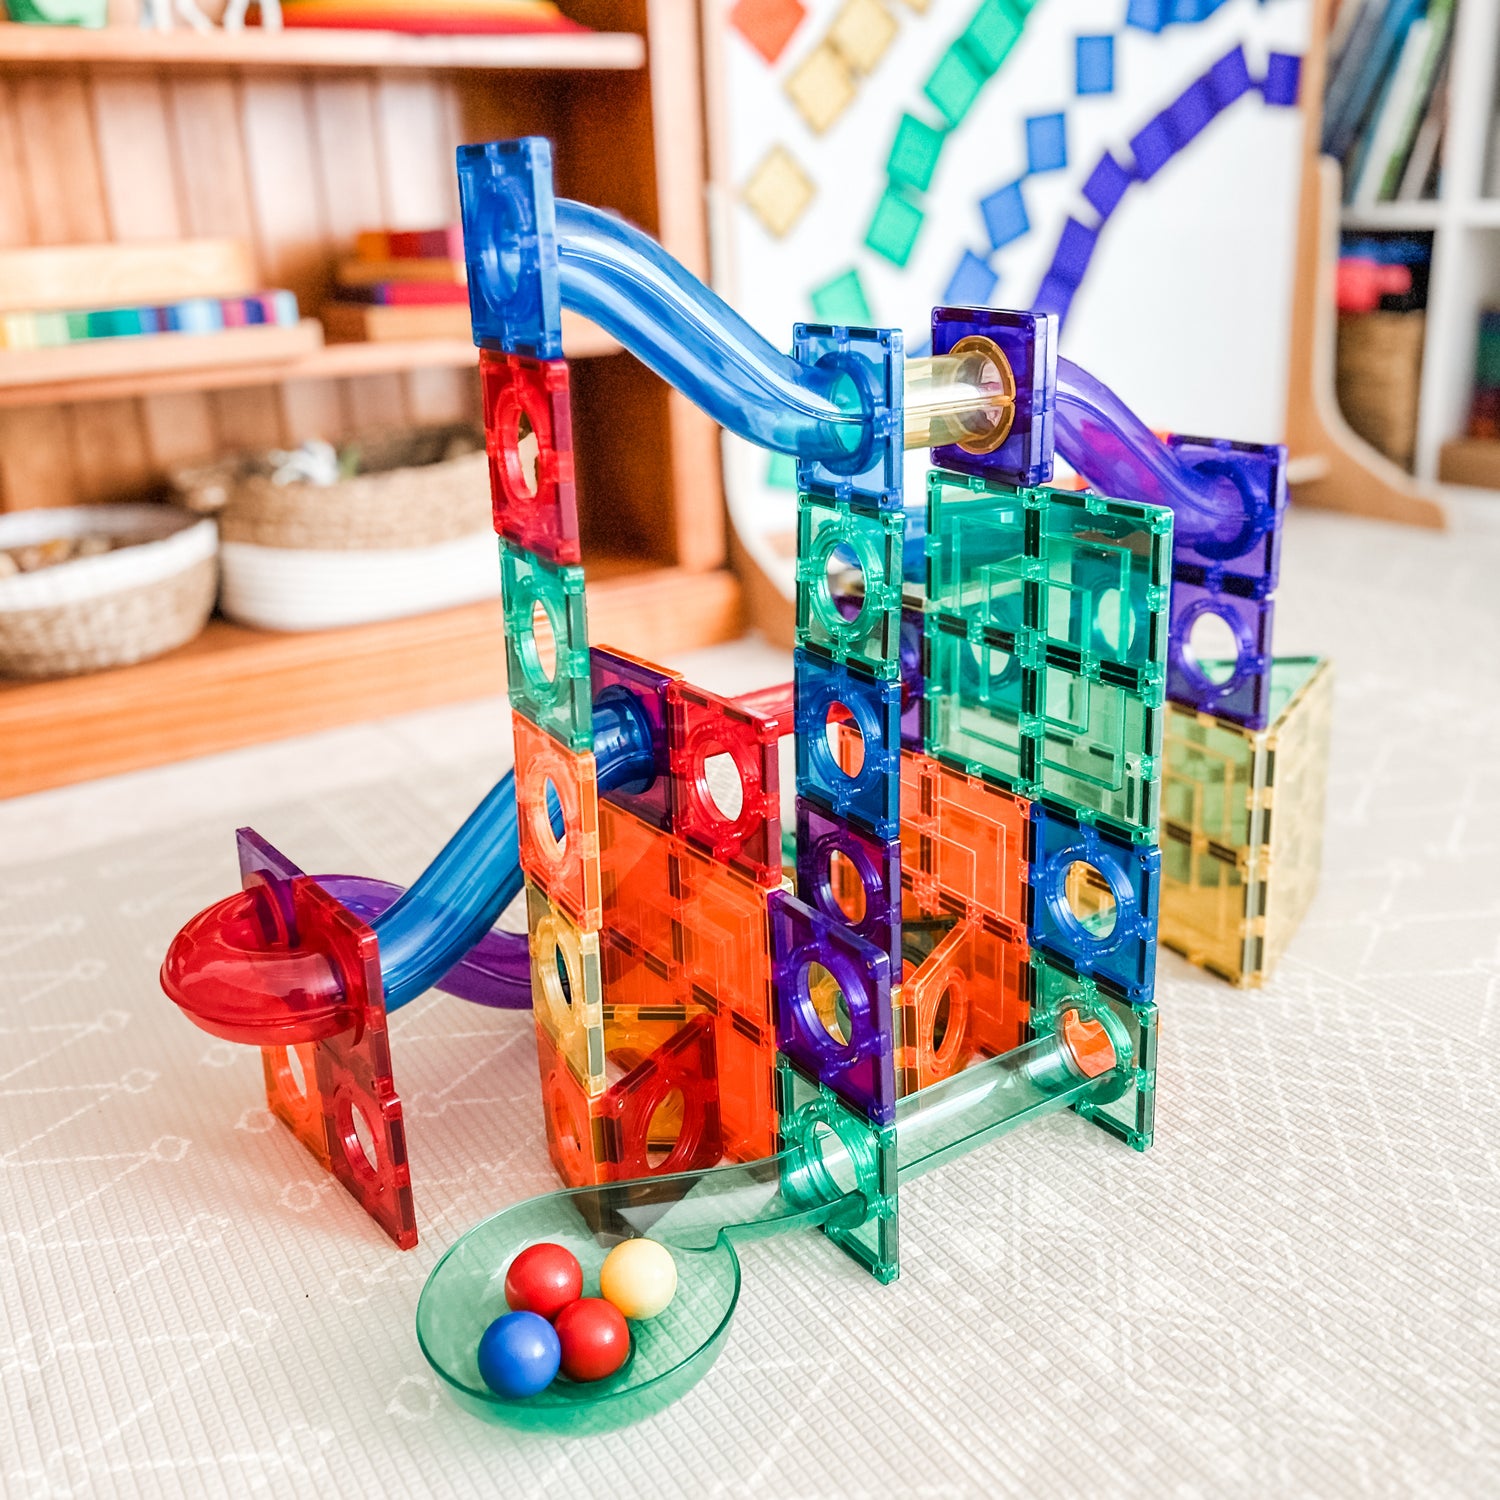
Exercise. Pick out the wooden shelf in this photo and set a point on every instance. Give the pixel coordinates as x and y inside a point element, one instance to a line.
<point>107,369</point>
<point>254,48</point>
<point>1422,214</point>
<point>234,686</point>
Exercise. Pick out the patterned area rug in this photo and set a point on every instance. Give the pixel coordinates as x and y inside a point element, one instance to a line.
<point>1295,1293</point>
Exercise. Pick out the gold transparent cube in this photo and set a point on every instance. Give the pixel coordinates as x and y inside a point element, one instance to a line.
<point>861,31</point>
<point>821,86</point>
<point>778,191</point>
<point>1242,825</point>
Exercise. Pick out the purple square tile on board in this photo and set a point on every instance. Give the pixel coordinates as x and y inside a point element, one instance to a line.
<point>1075,248</point>
<point>838,1029</point>
<point>1248,543</point>
<point>1189,113</point>
<point>1106,185</point>
<point>1029,342</point>
<point>1152,148</point>
<point>1229,78</point>
<point>1055,296</point>
<point>1200,673</point>
<point>1283,80</point>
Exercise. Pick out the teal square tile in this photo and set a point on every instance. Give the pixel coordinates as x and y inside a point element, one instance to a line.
<point>546,646</point>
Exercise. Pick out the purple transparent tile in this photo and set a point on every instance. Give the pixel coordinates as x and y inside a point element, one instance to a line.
<point>1250,549</point>
<point>262,864</point>
<point>876,863</point>
<point>1029,342</point>
<point>853,1052</point>
<point>613,674</point>
<point>1241,692</point>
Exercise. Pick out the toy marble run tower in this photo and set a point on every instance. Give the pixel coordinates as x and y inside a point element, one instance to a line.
<point>977,763</point>
<point>966,935</point>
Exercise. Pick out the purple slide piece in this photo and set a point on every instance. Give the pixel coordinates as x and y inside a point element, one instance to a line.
<point>496,971</point>
<point>1119,455</point>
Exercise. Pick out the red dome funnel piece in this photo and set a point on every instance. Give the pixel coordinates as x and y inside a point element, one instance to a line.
<point>230,975</point>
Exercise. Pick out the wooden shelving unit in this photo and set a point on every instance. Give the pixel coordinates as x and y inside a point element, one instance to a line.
<point>234,686</point>
<point>293,142</point>
<point>133,367</point>
<point>1337,469</point>
<point>1463,221</point>
<point>128,46</point>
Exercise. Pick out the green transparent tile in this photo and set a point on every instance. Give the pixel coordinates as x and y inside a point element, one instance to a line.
<point>1099,752</point>
<point>807,1110</point>
<point>546,646</point>
<point>842,301</point>
<point>1105,568</point>
<point>1130,1112</point>
<point>976,553</point>
<point>894,228</point>
<point>954,84</point>
<point>975,708</point>
<point>849,584</point>
<point>994,30</point>
<point>914,153</point>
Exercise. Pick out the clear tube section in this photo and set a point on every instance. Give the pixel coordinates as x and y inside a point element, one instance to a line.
<point>962,397</point>
<point>623,281</point>
<point>947,1119</point>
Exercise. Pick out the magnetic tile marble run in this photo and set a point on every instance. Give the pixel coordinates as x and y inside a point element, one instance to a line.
<point>965,933</point>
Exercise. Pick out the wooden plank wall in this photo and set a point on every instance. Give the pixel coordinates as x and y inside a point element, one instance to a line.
<point>296,163</point>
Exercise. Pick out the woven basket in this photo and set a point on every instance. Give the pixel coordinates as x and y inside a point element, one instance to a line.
<point>107,611</point>
<point>419,503</point>
<point>1379,376</point>
<point>414,536</point>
